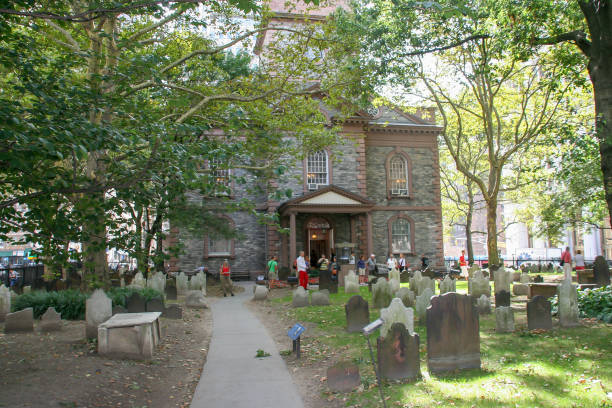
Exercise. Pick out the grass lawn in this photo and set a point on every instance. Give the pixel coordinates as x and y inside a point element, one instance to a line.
<point>560,368</point>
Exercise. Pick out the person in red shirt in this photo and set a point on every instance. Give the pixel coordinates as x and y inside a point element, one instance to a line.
<point>463,265</point>
<point>226,282</point>
<point>566,258</point>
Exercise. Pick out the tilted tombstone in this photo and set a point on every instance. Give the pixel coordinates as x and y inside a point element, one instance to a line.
<point>422,303</point>
<point>320,298</point>
<point>448,284</point>
<point>21,321</point>
<point>568,304</point>
<point>138,282</point>
<point>407,296</point>
<point>300,297</point>
<point>136,303</point>
<point>5,302</point>
<point>260,292</point>
<point>396,313</point>
<point>453,338</point>
<point>98,309</point>
<point>483,305</point>
<point>504,319</point>
<point>479,285</point>
<point>357,314</point>
<point>181,284</point>
<point>50,321</point>
<point>426,283</point>
<point>326,282</point>
<point>601,271</point>
<point>538,314</point>
<point>381,294</point>
<point>195,299</point>
<point>155,305</point>
<point>343,377</point>
<point>502,298</point>
<point>398,354</point>
<point>503,280</point>
<point>351,283</point>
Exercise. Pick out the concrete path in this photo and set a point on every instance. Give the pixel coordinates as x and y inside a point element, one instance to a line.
<point>232,377</point>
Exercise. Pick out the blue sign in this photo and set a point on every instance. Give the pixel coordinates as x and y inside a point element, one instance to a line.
<point>296,331</point>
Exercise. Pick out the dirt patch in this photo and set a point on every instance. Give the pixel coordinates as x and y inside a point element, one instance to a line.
<point>308,375</point>
<point>61,369</point>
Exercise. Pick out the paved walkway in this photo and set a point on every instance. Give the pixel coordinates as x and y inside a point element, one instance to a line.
<point>232,376</point>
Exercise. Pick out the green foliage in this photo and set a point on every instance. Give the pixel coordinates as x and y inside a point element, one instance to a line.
<point>591,303</point>
<point>119,296</point>
<point>261,353</point>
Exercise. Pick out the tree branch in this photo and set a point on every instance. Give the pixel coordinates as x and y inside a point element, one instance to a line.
<point>446,47</point>
<point>578,37</point>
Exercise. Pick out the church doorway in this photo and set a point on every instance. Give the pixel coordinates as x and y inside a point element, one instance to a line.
<point>320,237</point>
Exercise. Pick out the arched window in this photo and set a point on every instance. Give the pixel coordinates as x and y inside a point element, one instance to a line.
<point>317,170</point>
<point>401,231</point>
<point>216,245</point>
<point>398,176</point>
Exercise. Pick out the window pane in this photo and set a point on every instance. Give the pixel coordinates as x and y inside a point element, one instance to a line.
<point>221,177</point>
<point>316,168</point>
<point>400,236</point>
<point>219,246</point>
<point>398,175</point>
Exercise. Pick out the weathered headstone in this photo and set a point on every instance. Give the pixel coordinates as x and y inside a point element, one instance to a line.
<point>136,303</point>
<point>300,297</point>
<point>538,279</point>
<point>414,281</point>
<point>426,283</point>
<point>525,278</point>
<point>504,319</point>
<point>398,354</point>
<point>520,289</point>
<point>394,274</point>
<point>198,282</point>
<point>260,292</point>
<point>601,271</point>
<point>479,285</point>
<point>138,281</point>
<point>453,338</point>
<point>155,305</point>
<point>326,282</point>
<point>422,303</point>
<point>538,314</point>
<point>195,299</point>
<point>5,302</point>
<point>502,298</point>
<point>396,313</point>
<point>568,304</point>
<point>381,294</point>
<point>98,309</point>
<point>472,269</point>
<point>119,309</point>
<point>21,321</point>
<point>181,284</point>
<point>502,280</point>
<point>171,292</point>
<point>351,283</point>
<point>407,296</point>
<point>50,321</point>
<point>173,311</point>
<point>357,314</point>
<point>448,284</point>
<point>483,304</point>
<point>394,284</point>
<point>320,298</point>
<point>343,377</point>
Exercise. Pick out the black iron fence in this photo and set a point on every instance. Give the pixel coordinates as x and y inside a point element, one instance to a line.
<point>27,275</point>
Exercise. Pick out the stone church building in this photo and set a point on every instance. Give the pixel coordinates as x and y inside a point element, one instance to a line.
<point>376,192</point>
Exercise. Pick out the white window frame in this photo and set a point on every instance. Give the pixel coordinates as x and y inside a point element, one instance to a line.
<point>317,169</point>
<point>398,176</point>
<point>401,236</point>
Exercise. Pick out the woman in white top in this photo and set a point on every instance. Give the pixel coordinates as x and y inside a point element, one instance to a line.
<point>579,260</point>
<point>391,262</point>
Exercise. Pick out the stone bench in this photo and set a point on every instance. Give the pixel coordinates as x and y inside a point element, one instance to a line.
<point>130,335</point>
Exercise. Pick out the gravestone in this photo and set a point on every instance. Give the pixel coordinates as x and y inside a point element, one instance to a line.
<point>453,338</point>
<point>351,283</point>
<point>405,276</point>
<point>504,319</point>
<point>394,274</point>
<point>155,305</point>
<point>343,377</point>
<point>171,292</point>
<point>516,276</point>
<point>136,303</point>
<point>26,290</point>
<point>483,305</point>
<point>538,314</point>
<point>320,298</point>
<point>394,284</point>
<point>502,298</point>
<point>300,297</point>
<point>568,304</point>
<point>130,335</point>
<point>520,289</point>
<point>260,292</point>
<point>422,303</point>
<point>407,296</point>
<point>396,313</point>
<point>479,285</point>
<point>414,282</point>
<point>525,278</point>
<point>538,279</point>
<point>138,281</point>
<point>181,284</point>
<point>357,314</point>
<point>195,299</point>
<point>173,311</point>
<point>198,282</point>
<point>21,321</point>
<point>398,354</point>
<point>502,280</point>
<point>98,309</point>
<point>381,294</point>
<point>472,269</point>
<point>119,309</point>
<point>601,271</point>
<point>50,321</point>
<point>5,302</point>
<point>448,284</point>
<point>326,282</point>
<point>283,273</point>
<point>426,283</point>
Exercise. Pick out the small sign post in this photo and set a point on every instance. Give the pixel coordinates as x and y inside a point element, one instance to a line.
<point>294,334</point>
<point>369,329</point>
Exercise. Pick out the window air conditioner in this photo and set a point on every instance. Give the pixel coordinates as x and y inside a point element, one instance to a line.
<point>403,192</point>
<point>395,192</point>
<point>313,186</point>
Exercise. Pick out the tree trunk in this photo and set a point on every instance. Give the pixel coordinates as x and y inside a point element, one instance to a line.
<point>468,225</point>
<point>492,232</point>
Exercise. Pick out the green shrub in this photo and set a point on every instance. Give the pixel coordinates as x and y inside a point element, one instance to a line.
<point>591,303</point>
<point>71,303</point>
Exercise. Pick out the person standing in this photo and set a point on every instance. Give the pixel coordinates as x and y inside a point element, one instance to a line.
<point>361,266</point>
<point>579,260</point>
<point>302,268</point>
<point>372,265</point>
<point>391,261</point>
<point>352,259</point>
<point>323,263</point>
<point>566,261</point>
<point>335,268</point>
<point>273,268</point>
<point>401,262</point>
<point>463,265</point>
<point>226,282</point>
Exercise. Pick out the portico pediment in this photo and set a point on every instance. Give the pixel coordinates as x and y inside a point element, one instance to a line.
<point>328,199</point>
<point>331,198</point>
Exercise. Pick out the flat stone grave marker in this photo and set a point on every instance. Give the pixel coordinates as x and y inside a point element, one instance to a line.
<point>398,354</point>
<point>173,312</point>
<point>326,282</point>
<point>51,321</point>
<point>502,298</point>
<point>136,303</point>
<point>357,314</point>
<point>601,271</point>
<point>538,314</point>
<point>171,292</point>
<point>543,289</point>
<point>130,335</point>
<point>98,309</point>
<point>155,305</point>
<point>21,321</point>
<point>453,337</point>
<point>343,377</point>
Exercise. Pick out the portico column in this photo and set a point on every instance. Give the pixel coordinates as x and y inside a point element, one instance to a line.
<point>370,246</point>
<point>292,253</point>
